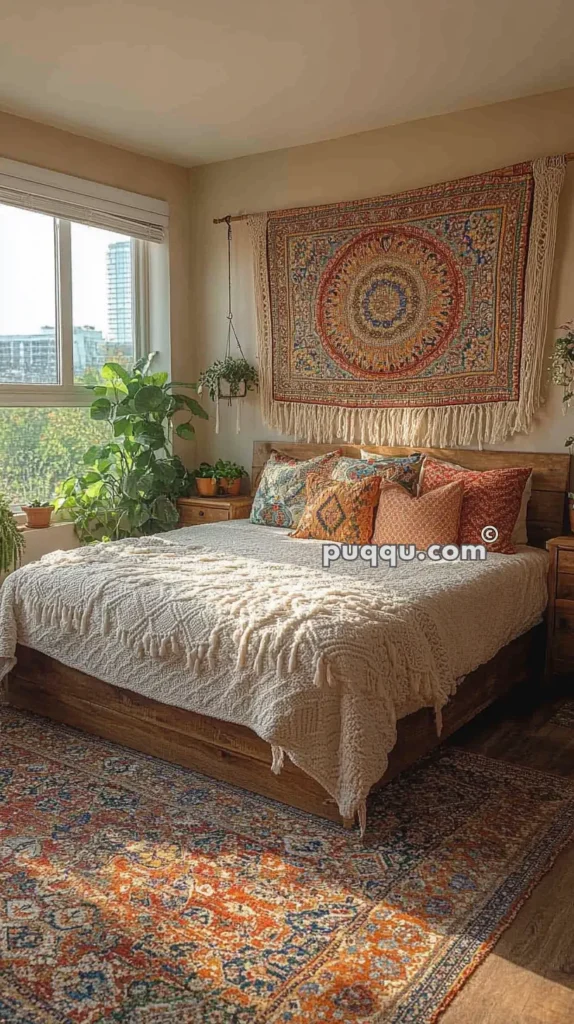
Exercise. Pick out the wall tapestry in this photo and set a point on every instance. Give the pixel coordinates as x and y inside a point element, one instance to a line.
<point>417,318</point>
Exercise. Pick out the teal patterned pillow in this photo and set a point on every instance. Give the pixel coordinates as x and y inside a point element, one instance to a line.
<point>403,470</point>
<point>280,497</point>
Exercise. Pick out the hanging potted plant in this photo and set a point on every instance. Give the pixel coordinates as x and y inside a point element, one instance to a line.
<point>38,514</point>
<point>237,374</point>
<point>232,377</point>
<point>229,476</point>
<point>562,373</point>
<point>11,539</point>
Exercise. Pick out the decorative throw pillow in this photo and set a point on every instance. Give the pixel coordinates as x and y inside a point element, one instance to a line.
<point>280,497</point>
<point>339,511</point>
<point>431,519</point>
<point>401,470</point>
<point>520,531</point>
<point>491,498</point>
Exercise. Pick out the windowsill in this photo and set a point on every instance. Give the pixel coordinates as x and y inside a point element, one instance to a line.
<point>38,542</point>
<point>21,520</point>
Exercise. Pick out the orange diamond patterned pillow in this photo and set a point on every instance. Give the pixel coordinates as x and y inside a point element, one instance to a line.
<point>491,498</point>
<point>339,511</point>
<point>430,519</point>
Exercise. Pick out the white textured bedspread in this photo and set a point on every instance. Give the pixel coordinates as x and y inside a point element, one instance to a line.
<point>242,623</point>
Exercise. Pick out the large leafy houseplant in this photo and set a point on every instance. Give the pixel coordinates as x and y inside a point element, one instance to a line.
<point>130,483</point>
<point>11,539</point>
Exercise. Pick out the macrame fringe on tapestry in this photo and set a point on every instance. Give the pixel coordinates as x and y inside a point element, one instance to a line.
<point>417,318</point>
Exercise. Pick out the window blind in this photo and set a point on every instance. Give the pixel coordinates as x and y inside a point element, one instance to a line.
<point>86,202</point>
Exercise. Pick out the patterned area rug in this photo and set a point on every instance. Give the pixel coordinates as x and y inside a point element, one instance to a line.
<point>564,715</point>
<point>135,891</point>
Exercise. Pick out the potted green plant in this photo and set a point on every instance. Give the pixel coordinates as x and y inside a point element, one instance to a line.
<point>229,476</point>
<point>237,373</point>
<point>205,480</point>
<point>38,514</point>
<point>130,484</point>
<point>11,539</point>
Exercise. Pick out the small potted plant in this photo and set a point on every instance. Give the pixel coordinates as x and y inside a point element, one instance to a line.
<point>229,476</point>
<point>205,480</point>
<point>11,539</point>
<point>38,514</point>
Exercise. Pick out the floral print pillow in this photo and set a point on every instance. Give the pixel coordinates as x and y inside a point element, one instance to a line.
<point>394,469</point>
<point>280,497</point>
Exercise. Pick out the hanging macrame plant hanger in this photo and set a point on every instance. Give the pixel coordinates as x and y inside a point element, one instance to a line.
<point>230,331</point>
<point>236,371</point>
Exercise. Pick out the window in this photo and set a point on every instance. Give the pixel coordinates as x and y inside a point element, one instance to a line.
<point>40,447</point>
<point>103,300</point>
<point>67,305</point>
<point>28,352</point>
<point>75,259</point>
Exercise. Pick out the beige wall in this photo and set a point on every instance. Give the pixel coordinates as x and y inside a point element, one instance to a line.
<point>372,163</point>
<point>57,150</point>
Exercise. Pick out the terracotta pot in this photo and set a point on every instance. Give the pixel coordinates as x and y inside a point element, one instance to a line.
<point>571,515</point>
<point>38,518</point>
<point>206,486</point>
<point>230,487</point>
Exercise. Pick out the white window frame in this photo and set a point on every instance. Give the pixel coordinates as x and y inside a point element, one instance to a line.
<point>66,393</point>
<point>143,219</point>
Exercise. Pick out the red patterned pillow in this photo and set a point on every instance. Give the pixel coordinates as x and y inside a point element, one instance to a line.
<point>491,498</point>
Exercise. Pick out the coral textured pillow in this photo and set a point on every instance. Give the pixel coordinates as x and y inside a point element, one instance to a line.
<point>340,511</point>
<point>491,498</point>
<point>401,470</point>
<point>431,519</point>
<point>280,497</point>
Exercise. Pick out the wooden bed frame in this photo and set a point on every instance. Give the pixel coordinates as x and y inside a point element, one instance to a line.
<point>234,753</point>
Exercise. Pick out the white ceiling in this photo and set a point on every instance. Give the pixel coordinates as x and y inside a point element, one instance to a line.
<point>195,81</point>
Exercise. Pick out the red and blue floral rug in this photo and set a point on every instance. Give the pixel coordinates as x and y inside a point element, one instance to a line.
<point>136,892</point>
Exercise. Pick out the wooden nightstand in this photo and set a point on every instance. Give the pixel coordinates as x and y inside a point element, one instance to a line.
<point>560,639</point>
<point>194,511</point>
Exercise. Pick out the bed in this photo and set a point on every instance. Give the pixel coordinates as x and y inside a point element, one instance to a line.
<point>246,695</point>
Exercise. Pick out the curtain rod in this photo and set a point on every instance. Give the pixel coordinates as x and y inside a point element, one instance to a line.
<point>243,216</point>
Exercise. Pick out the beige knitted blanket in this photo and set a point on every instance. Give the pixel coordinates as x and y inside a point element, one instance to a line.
<point>241,623</point>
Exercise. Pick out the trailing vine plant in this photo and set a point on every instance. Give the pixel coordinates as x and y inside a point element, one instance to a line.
<point>239,375</point>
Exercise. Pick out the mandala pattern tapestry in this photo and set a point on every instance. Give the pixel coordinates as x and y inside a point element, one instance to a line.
<point>417,318</point>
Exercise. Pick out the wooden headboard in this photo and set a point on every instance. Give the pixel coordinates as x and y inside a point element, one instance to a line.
<point>551,474</point>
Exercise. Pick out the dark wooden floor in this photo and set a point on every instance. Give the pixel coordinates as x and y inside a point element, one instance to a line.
<point>529,976</point>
